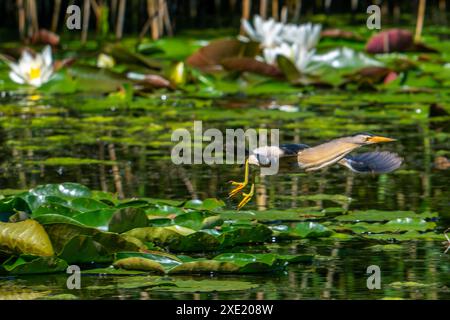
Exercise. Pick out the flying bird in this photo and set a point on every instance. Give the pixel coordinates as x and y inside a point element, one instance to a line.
<point>301,157</point>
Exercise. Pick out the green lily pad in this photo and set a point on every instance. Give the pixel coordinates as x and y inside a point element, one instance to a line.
<point>97,218</point>
<point>409,284</point>
<point>176,238</point>
<point>54,208</point>
<point>207,204</point>
<point>87,204</point>
<point>60,234</point>
<point>394,226</point>
<point>236,234</point>
<point>84,249</point>
<point>56,218</point>
<point>26,264</point>
<point>207,286</point>
<point>377,215</point>
<point>111,271</point>
<point>302,230</point>
<point>168,261</point>
<point>273,215</point>
<point>224,263</point>
<point>138,263</point>
<point>386,247</point>
<point>126,219</point>
<point>407,236</point>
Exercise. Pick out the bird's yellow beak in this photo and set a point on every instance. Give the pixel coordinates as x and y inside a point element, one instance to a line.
<point>378,139</point>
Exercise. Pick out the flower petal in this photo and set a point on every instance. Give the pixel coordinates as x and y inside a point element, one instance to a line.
<point>16,78</point>
<point>47,55</point>
<point>248,29</point>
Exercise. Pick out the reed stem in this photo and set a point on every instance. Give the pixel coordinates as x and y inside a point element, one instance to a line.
<point>420,18</point>
<point>120,19</point>
<point>55,18</point>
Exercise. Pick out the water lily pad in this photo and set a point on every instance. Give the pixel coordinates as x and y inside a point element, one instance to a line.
<point>377,215</point>
<point>84,249</point>
<point>386,247</point>
<point>26,264</point>
<point>97,218</point>
<point>302,230</point>
<point>61,233</point>
<point>127,219</point>
<point>236,234</point>
<point>176,238</point>
<point>87,204</point>
<point>207,286</point>
<point>409,284</point>
<point>138,263</point>
<point>111,271</point>
<point>207,204</point>
<point>395,226</point>
<point>27,237</point>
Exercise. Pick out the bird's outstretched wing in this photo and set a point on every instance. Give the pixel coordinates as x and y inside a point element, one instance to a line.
<point>372,162</point>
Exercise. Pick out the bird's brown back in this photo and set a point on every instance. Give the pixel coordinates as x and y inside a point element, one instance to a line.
<point>325,154</point>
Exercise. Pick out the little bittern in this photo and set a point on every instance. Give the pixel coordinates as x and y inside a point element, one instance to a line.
<point>294,157</point>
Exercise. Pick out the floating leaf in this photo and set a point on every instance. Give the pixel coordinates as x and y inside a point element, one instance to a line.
<point>246,64</point>
<point>27,237</point>
<point>168,261</point>
<point>137,263</point>
<point>87,204</point>
<point>97,218</point>
<point>60,234</point>
<point>83,250</point>
<point>26,264</point>
<point>302,230</point>
<point>176,238</point>
<point>127,219</point>
<point>377,215</point>
<point>396,225</point>
<point>209,57</point>
<point>236,234</point>
<point>207,204</point>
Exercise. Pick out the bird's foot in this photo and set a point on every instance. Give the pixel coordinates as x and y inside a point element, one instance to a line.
<point>239,185</point>
<point>247,197</point>
<point>237,189</point>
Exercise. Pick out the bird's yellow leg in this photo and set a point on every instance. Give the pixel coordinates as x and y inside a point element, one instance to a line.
<point>247,197</point>
<point>239,185</point>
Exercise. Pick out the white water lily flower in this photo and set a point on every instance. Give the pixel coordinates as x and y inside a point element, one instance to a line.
<point>300,56</point>
<point>302,59</point>
<point>284,49</point>
<point>267,32</point>
<point>31,70</point>
<point>307,35</point>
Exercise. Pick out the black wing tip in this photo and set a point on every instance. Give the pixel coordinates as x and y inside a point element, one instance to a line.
<point>374,162</point>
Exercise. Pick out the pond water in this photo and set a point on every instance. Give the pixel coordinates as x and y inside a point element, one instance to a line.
<point>109,141</point>
<point>43,138</point>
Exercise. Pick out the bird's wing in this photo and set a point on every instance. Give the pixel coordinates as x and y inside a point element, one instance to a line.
<point>374,162</point>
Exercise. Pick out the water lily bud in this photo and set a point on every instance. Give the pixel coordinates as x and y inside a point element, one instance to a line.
<point>105,61</point>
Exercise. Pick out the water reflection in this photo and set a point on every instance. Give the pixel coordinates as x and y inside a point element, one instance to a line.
<point>127,152</point>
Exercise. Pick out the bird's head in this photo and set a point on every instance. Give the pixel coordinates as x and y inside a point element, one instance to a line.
<point>367,138</point>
